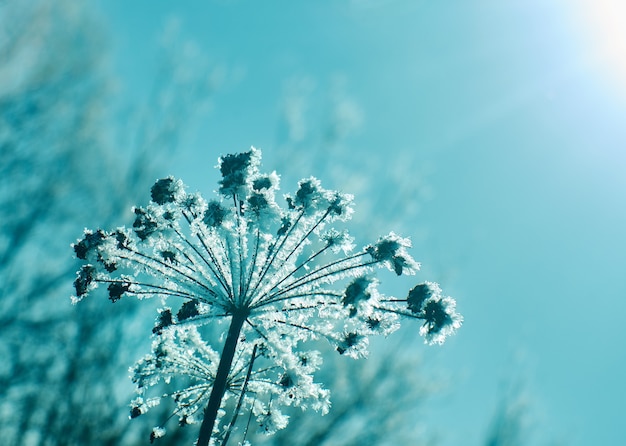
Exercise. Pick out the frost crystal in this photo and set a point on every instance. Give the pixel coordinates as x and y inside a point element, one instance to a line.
<point>277,276</point>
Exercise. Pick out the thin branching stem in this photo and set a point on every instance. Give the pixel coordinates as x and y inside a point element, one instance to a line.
<point>159,265</point>
<point>309,277</point>
<point>158,289</point>
<point>241,397</point>
<point>221,276</point>
<point>399,312</point>
<point>302,265</point>
<point>329,266</point>
<point>213,267</point>
<point>303,238</point>
<point>240,244</point>
<point>270,260</point>
<point>268,303</point>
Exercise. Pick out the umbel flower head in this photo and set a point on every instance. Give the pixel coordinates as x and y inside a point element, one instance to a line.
<point>275,276</point>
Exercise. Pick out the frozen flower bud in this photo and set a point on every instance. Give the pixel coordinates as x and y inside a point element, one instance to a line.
<point>309,361</point>
<point>116,290</point>
<point>236,170</point>
<point>341,206</point>
<point>194,203</point>
<point>135,411</point>
<point>261,183</point>
<point>121,238</point>
<point>184,421</point>
<point>168,256</point>
<point>309,195</point>
<point>164,321</point>
<point>419,294</point>
<point>399,264</point>
<point>91,241</point>
<point>391,250</point>
<point>84,280</point>
<point>257,202</point>
<point>353,344</point>
<point>441,320</point>
<point>157,432</point>
<point>338,241</point>
<point>357,291</point>
<point>214,214</point>
<point>286,381</point>
<point>265,182</point>
<point>436,316</point>
<point>188,310</point>
<point>262,210</point>
<point>145,224</point>
<point>272,420</point>
<point>110,266</point>
<point>284,226</point>
<point>381,323</point>
<point>384,249</point>
<point>373,323</point>
<point>166,190</point>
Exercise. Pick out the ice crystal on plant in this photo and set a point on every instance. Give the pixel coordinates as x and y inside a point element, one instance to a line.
<point>273,276</point>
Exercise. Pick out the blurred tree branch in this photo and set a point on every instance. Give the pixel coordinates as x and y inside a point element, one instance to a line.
<point>58,167</point>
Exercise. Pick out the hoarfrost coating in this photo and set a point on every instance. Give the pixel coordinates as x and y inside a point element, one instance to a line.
<point>278,276</point>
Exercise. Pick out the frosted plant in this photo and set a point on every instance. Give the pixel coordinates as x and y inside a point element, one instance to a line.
<point>273,277</point>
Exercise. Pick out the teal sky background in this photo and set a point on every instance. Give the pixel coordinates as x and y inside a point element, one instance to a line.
<point>515,113</point>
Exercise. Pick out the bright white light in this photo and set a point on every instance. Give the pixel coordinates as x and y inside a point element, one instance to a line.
<point>604,27</point>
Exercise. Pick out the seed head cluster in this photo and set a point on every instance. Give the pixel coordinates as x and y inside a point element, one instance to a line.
<point>274,274</point>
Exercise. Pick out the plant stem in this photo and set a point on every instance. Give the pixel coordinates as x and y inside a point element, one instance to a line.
<point>241,397</point>
<point>221,378</point>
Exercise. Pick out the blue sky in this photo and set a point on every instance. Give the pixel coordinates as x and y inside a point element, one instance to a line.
<point>514,112</point>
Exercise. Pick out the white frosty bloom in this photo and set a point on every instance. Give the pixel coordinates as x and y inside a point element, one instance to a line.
<point>270,418</point>
<point>157,432</point>
<point>442,320</point>
<point>278,275</point>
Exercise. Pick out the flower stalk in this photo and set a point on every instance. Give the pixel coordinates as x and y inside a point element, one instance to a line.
<point>221,378</point>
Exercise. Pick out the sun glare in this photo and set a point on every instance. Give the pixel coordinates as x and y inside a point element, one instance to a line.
<point>603,24</point>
